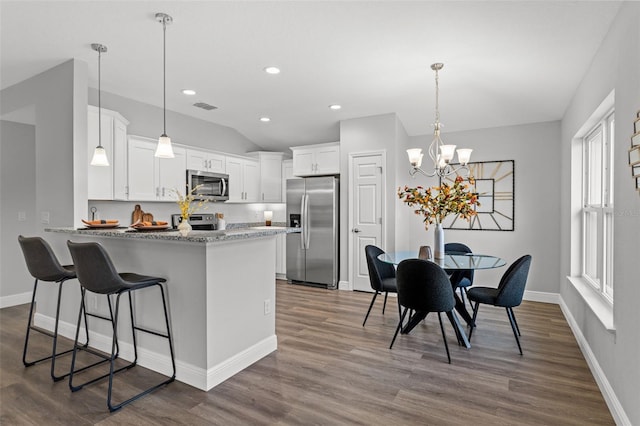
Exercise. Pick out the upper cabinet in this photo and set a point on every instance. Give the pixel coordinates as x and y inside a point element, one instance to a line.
<point>152,178</point>
<point>321,159</point>
<point>244,179</point>
<point>107,183</point>
<point>270,176</point>
<point>205,161</point>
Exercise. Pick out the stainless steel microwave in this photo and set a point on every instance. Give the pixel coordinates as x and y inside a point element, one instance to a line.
<point>208,186</point>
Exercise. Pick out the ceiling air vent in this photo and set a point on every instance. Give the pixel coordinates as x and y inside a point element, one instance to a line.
<point>204,106</point>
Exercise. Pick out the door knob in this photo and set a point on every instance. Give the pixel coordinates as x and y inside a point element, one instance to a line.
<point>356,230</point>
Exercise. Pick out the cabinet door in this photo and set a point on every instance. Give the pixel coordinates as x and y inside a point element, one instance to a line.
<point>251,180</point>
<point>216,163</point>
<point>120,170</point>
<point>172,175</point>
<point>327,160</point>
<point>99,178</point>
<point>197,160</point>
<point>287,173</point>
<point>234,170</point>
<point>303,162</point>
<point>271,179</point>
<point>142,170</point>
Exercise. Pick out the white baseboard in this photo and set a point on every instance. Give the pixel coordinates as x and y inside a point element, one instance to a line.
<point>344,285</point>
<point>15,299</point>
<point>540,296</point>
<point>619,416</point>
<point>186,373</point>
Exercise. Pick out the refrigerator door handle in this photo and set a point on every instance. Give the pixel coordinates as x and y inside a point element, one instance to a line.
<point>305,216</point>
<point>302,222</point>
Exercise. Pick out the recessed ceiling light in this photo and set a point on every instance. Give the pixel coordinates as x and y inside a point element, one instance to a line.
<point>335,107</point>
<point>189,92</point>
<point>265,119</point>
<point>272,70</point>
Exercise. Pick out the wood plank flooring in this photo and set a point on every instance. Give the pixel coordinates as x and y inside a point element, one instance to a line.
<point>329,370</point>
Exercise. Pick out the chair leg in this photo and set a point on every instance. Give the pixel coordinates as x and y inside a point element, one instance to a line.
<point>370,306</point>
<point>444,337</point>
<point>26,339</point>
<point>475,315</point>
<point>398,327</point>
<point>513,327</point>
<point>384,305</point>
<point>513,315</point>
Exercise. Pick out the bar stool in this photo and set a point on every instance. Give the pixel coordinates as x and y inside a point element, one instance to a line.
<point>44,266</point>
<point>97,274</point>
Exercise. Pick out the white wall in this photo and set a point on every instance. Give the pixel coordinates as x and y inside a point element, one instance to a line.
<point>17,191</point>
<point>59,97</point>
<point>616,66</point>
<point>146,120</point>
<point>533,147</point>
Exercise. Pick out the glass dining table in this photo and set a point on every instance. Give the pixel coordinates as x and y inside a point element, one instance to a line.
<point>452,262</point>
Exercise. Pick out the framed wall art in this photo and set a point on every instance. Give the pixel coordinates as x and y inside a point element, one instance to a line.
<point>494,184</point>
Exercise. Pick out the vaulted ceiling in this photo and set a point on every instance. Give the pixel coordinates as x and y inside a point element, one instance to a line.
<point>506,62</point>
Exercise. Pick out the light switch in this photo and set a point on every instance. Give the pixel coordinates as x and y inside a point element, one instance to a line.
<point>22,216</point>
<point>44,217</point>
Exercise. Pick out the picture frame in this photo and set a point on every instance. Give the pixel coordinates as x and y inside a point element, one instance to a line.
<point>495,188</point>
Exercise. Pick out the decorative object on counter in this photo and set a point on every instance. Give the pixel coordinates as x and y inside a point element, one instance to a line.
<point>222,224</point>
<point>164,149</point>
<point>99,155</point>
<point>425,253</point>
<point>150,225</point>
<point>187,208</point>
<point>440,154</point>
<point>101,223</point>
<point>437,202</point>
<point>93,211</point>
<point>139,216</point>
<point>268,216</point>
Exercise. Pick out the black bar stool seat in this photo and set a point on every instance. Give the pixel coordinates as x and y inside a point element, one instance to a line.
<point>97,274</point>
<point>43,265</point>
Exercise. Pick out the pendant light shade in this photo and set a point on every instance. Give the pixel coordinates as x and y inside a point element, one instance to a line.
<point>99,154</point>
<point>164,149</point>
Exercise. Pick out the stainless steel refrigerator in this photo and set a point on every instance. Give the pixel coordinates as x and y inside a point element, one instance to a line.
<point>312,255</point>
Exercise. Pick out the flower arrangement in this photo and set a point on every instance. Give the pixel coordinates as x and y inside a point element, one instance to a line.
<point>438,202</point>
<point>185,202</point>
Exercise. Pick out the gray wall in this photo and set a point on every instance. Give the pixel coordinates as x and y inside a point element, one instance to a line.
<point>17,189</point>
<point>146,120</point>
<point>533,147</point>
<point>616,66</point>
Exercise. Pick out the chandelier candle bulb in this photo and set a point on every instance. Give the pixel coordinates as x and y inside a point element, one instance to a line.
<point>447,152</point>
<point>464,155</point>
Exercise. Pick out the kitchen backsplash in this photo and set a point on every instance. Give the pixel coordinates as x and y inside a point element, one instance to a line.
<point>233,213</point>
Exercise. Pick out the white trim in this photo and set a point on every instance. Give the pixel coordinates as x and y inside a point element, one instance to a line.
<point>619,416</point>
<point>161,363</point>
<point>15,299</point>
<point>543,297</point>
<point>602,309</point>
<point>345,285</point>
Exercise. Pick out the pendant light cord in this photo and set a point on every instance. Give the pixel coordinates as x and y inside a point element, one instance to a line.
<point>164,75</point>
<point>99,100</point>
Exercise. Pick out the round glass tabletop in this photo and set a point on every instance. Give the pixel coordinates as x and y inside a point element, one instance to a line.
<point>450,261</point>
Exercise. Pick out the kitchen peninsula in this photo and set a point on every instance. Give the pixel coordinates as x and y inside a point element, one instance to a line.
<point>221,297</point>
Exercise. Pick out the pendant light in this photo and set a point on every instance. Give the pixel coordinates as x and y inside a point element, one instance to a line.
<point>164,149</point>
<point>99,155</point>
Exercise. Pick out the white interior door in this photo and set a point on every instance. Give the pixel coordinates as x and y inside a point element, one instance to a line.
<point>366,214</point>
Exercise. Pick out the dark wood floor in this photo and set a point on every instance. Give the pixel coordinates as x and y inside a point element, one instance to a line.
<point>329,370</point>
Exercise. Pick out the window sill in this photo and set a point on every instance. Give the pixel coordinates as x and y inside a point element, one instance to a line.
<point>602,309</point>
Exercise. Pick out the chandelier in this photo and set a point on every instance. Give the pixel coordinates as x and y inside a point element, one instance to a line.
<point>440,154</point>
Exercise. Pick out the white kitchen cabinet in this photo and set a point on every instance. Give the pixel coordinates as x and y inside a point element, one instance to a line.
<point>244,179</point>
<point>287,173</point>
<point>107,183</point>
<point>152,178</point>
<point>205,161</point>
<point>270,176</point>
<point>281,256</point>
<point>320,159</point>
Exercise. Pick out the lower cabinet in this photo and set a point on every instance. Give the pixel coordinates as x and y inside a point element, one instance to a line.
<point>281,256</point>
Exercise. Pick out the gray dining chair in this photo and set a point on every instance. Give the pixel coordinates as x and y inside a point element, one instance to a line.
<point>508,294</point>
<point>460,279</point>
<point>382,277</point>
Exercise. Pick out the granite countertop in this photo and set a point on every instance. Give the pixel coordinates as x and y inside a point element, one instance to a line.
<point>174,235</point>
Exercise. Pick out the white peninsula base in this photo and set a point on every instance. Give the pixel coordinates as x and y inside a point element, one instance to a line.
<point>221,298</point>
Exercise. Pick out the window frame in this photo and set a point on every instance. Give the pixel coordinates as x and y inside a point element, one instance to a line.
<point>597,238</point>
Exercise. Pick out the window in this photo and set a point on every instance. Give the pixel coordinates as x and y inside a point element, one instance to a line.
<point>597,206</point>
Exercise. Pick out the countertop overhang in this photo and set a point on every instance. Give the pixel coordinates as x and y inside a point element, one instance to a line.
<point>174,235</point>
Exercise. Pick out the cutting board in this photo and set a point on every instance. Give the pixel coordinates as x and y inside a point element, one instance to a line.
<point>139,216</point>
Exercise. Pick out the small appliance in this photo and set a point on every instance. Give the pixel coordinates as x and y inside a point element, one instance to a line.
<point>208,186</point>
<point>202,222</point>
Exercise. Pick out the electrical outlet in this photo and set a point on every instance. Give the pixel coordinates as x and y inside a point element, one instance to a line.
<point>22,216</point>
<point>267,306</point>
